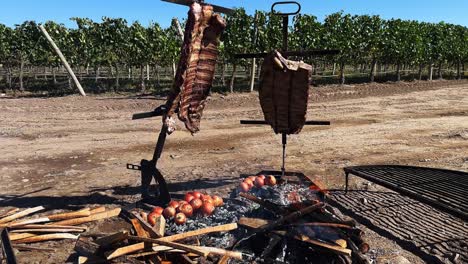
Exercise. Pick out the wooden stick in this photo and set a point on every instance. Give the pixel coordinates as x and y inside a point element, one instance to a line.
<point>50,230</point>
<point>9,212</point>
<point>91,260</point>
<point>29,248</point>
<point>47,237</point>
<point>333,248</point>
<point>203,231</point>
<point>81,228</point>
<point>62,58</point>
<point>138,228</point>
<point>21,214</point>
<point>252,222</point>
<point>289,218</point>
<point>125,250</point>
<point>221,252</point>
<point>160,226</point>
<point>189,249</point>
<point>26,222</point>
<point>14,237</point>
<point>85,247</point>
<point>111,239</point>
<point>94,217</point>
<point>70,215</point>
<point>146,226</point>
<point>97,210</point>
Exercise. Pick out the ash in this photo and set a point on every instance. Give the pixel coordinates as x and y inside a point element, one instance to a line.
<point>236,207</point>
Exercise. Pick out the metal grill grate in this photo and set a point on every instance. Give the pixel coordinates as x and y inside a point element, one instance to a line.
<point>445,189</point>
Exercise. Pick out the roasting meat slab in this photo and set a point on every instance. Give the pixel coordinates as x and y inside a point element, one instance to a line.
<point>284,93</point>
<point>195,71</point>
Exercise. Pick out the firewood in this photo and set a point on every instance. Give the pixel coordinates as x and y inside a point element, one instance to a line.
<point>125,250</point>
<point>342,243</point>
<point>26,222</point>
<point>47,237</point>
<point>49,230</point>
<point>190,249</point>
<point>29,248</point>
<point>112,239</point>
<point>97,210</point>
<point>252,222</point>
<point>93,217</point>
<point>80,228</point>
<point>21,214</point>
<point>19,236</point>
<point>333,248</point>
<point>138,228</point>
<point>85,247</point>
<point>160,226</point>
<point>9,212</point>
<point>220,252</point>
<point>203,231</point>
<point>289,218</point>
<point>70,215</point>
<point>148,228</point>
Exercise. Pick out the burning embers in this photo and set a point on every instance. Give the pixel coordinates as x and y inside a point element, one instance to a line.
<point>285,223</point>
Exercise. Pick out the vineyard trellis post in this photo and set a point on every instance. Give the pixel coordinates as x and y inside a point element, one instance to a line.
<point>62,58</point>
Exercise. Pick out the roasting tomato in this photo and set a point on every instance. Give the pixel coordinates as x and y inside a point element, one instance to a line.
<point>169,212</point>
<point>187,209</point>
<point>197,194</point>
<point>262,176</point>
<point>271,180</point>
<point>249,182</point>
<point>189,197</point>
<point>174,204</point>
<point>244,187</point>
<point>152,218</point>
<point>207,209</point>
<point>180,219</point>
<point>196,204</point>
<point>217,201</point>
<point>259,182</point>
<point>158,210</point>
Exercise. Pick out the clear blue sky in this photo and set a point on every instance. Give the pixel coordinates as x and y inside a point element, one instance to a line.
<point>16,11</point>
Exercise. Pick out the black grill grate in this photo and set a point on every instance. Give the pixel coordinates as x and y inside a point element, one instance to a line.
<point>445,189</point>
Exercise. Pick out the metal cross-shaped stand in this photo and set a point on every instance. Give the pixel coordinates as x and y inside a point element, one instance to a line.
<point>149,168</point>
<point>285,53</point>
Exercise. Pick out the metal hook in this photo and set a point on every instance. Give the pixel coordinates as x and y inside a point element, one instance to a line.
<point>286,3</point>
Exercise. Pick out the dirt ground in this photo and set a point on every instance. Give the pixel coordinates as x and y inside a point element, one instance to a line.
<point>72,151</point>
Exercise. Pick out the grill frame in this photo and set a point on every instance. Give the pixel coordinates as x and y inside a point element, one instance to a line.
<point>446,190</point>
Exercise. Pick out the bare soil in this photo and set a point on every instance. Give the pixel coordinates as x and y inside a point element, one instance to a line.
<point>69,152</point>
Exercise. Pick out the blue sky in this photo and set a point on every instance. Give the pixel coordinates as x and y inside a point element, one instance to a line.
<point>16,11</point>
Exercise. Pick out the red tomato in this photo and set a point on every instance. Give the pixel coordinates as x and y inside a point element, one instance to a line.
<point>217,201</point>
<point>207,209</point>
<point>180,219</point>
<point>196,204</point>
<point>188,197</point>
<point>152,218</point>
<point>259,182</point>
<point>187,210</point>
<point>169,212</point>
<point>244,187</point>
<point>174,204</point>
<point>158,210</point>
<point>249,182</point>
<point>270,180</point>
<point>197,194</point>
